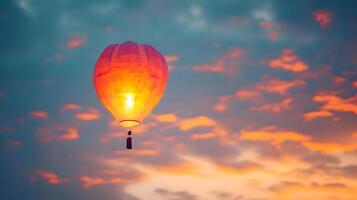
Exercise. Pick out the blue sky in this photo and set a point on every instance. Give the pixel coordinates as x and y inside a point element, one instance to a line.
<point>261,101</point>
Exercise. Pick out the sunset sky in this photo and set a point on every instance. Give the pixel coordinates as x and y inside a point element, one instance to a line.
<point>261,101</point>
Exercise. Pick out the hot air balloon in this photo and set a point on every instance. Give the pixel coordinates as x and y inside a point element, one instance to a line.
<point>129,80</point>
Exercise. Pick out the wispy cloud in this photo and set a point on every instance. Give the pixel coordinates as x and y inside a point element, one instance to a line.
<point>49,177</point>
<point>57,133</point>
<point>288,61</point>
<point>226,64</point>
<point>39,114</point>
<point>323,17</point>
<point>89,115</point>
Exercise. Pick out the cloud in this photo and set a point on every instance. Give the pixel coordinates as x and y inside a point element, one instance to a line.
<point>165,118</point>
<point>274,137</point>
<point>199,121</point>
<point>57,133</point>
<point>223,103</point>
<point>275,106</point>
<point>323,17</point>
<point>7,129</point>
<point>49,177</point>
<point>90,115</point>
<point>203,136</point>
<point>15,143</point>
<point>39,114</point>
<point>335,103</point>
<point>139,152</point>
<point>317,114</point>
<point>90,181</point>
<point>278,137</point>
<point>227,64</point>
<point>175,195</point>
<point>288,61</point>
<point>76,42</point>
<point>70,106</point>
<point>246,94</point>
<point>170,60</point>
<point>354,84</point>
<point>301,190</point>
<point>278,86</point>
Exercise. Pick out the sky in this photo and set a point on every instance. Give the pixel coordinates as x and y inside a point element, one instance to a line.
<point>260,103</point>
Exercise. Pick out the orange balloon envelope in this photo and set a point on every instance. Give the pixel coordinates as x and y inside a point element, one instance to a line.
<point>130,79</point>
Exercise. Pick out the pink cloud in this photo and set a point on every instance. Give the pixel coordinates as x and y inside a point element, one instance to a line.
<point>288,61</point>
<point>39,114</point>
<point>247,94</point>
<point>323,18</point>
<point>90,115</point>
<point>7,129</point>
<point>170,60</point>
<point>339,79</point>
<point>273,35</point>
<point>15,143</point>
<point>226,64</point>
<point>317,114</point>
<point>266,24</point>
<point>76,42</point>
<point>57,133</point>
<point>223,103</point>
<point>70,106</point>
<point>49,177</point>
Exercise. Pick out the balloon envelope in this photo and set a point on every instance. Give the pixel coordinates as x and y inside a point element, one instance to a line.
<point>129,80</point>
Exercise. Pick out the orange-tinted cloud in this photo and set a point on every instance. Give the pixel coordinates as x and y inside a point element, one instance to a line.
<point>288,61</point>
<point>166,118</point>
<point>323,18</point>
<point>331,147</point>
<point>76,42</point>
<point>200,121</point>
<point>246,94</point>
<point>139,152</point>
<point>317,114</point>
<point>336,103</point>
<point>70,106</point>
<point>274,137</point>
<point>278,86</point>
<point>223,103</point>
<point>354,84</point>
<point>49,177</point>
<point>57,133</point>
<point>90,181</point>
<point>277,137</point>
<point>203,136</point>
<point>39,114</point>
<point>90,115</point>
<point>339,79</point>
<point>325,190</point>
<point>275,106</point>
<point>226,64</point>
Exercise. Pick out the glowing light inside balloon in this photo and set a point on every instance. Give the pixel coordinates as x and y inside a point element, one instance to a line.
<point>129,101</point>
